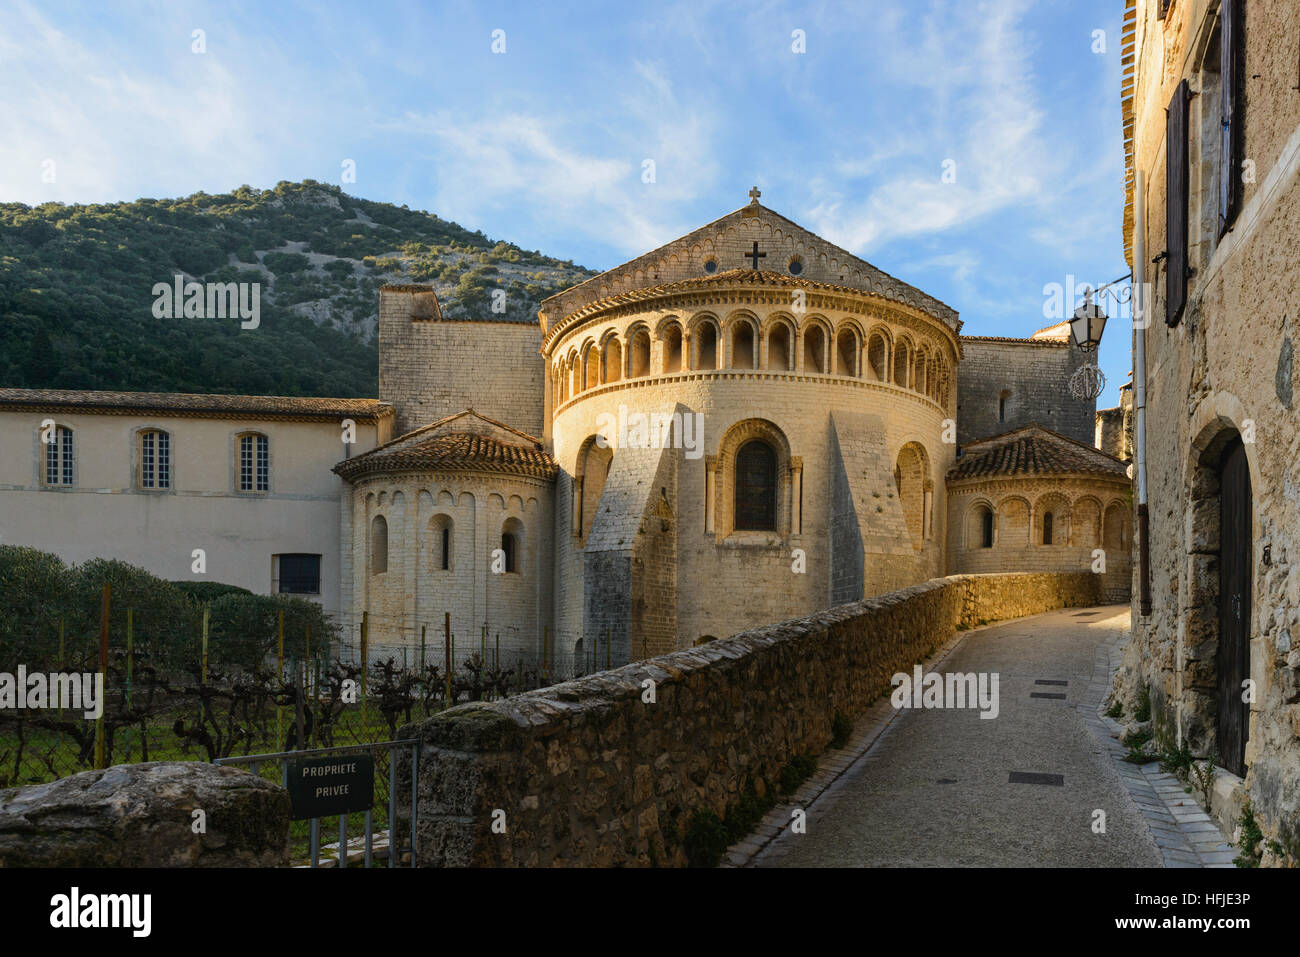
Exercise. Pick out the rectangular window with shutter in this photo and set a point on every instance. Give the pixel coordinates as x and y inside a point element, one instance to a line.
<point>1176,203</point>
<point>1230,67</point>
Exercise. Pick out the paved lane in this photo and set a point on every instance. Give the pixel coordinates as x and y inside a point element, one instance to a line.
<point>935,790</point>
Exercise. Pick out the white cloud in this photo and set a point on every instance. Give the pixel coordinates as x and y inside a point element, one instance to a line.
<point>970,69</point>
<point>570,182</point>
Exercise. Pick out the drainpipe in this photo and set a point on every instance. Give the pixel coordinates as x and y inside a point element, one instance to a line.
<point>1140,389</point>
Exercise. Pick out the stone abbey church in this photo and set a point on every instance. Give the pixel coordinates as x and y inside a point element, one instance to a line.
<point>808,415</point>
<point>822,432</point>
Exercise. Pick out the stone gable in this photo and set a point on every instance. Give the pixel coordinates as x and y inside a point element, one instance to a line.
<point>729,243</point>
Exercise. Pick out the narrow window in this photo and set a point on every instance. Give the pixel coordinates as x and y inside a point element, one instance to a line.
<point>1047,529</point>
<point>254,463</point>
<point>1230,68</point>
<point>508,549</point>
<point>1176,213</point>
<point>155,459</point>
<point>378,545</point>
<point>986,539</point>
<point>756,487</point>
<point>446,549</point>
<point>1002,406</point>
<point>59,457</point>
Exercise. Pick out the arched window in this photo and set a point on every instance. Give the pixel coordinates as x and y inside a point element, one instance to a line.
<point>673,348</point>
<point>1047,528</point>
<point>254,463</point>
<point>155,459</point>
<point>814,350</point>
<point>846,353</point>
<point>441,542</point>
<point>639,358</point>
<point>756,487</point>
<point>1003,396</point>
<point>612,361</point>
<point>59,458</point>
<point>902,363</point>
<point>742,347</point>
<point>378,545</point>
<point>707,336</point>
<point>986,529</point>
<point>878,358</point>
<point>779,352</point>
<point>512,545</point>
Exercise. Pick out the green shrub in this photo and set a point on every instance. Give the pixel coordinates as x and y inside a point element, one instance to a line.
<point>841,728</point>
<point>800,769</point>
<point>706,840</point>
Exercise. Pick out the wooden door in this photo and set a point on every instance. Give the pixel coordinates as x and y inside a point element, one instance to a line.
<point>1234,607</point>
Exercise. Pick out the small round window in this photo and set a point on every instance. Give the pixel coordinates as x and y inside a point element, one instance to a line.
<point>796,267</point>
<point>710,265</point>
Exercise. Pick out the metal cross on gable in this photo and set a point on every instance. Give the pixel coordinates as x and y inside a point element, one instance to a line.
<point>756,255</point>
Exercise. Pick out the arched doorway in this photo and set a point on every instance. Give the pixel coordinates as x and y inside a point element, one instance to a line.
<point>1233,659</point>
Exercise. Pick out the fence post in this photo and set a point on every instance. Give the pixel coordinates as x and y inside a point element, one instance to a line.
<point>423,629</point>
<point>130,655</point>
<point>447,645</point>
<point>105,597</point>
<point>279,676</point>
<point>365,665</point>
<point>203,663</point>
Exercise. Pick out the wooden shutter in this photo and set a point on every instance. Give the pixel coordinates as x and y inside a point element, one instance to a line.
<point>1230,75</point>
<point>1176,205</point>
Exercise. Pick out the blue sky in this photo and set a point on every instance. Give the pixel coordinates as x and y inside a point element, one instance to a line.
<point>544,144</point>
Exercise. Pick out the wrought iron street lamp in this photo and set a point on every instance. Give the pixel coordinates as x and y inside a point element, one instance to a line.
<point>1088,323</point>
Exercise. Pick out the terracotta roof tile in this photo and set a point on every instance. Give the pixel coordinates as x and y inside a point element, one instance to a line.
<point>453,450</point>
<point>1033,450</point>
<point>194,405</point>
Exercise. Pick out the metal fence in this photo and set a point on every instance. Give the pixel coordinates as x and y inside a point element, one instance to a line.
<point>370,843</point>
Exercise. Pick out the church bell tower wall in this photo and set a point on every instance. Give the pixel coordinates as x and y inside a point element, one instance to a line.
<point>1006,384</point>
<point>431,367</point>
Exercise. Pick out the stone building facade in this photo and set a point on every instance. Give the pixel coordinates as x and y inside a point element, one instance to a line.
<point>1035,501</point>
<point>1212,124</point>
<point>745,425</point>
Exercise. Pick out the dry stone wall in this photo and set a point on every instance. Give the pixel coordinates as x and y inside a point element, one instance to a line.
<point>141,815</point>
<point>590,773</point>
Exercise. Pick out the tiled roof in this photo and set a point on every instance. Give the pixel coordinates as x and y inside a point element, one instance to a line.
<point>453,450</point>
<point>722,280</point>
<point>192,405</point>
<point>1057,343</point>
<point>1033,450</point>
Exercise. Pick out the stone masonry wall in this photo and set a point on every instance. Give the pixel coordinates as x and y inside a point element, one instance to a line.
<point>429,369</point>
<point>1032,372</point>
<point>588,773</point>
<point>1225,369</point>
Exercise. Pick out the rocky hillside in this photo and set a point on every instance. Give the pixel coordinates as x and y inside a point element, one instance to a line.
<point>77,288</point>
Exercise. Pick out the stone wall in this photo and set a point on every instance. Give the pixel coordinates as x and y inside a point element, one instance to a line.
<point>1224,370</point>
<point>432,368</point>
<point>590,773</point>
<point>142,815</point>
<point>1031,372</point>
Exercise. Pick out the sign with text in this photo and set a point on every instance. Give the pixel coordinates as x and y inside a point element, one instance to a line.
<point>322,787</point>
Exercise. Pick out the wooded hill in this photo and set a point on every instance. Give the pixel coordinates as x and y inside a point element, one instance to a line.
<point>76,288</point>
